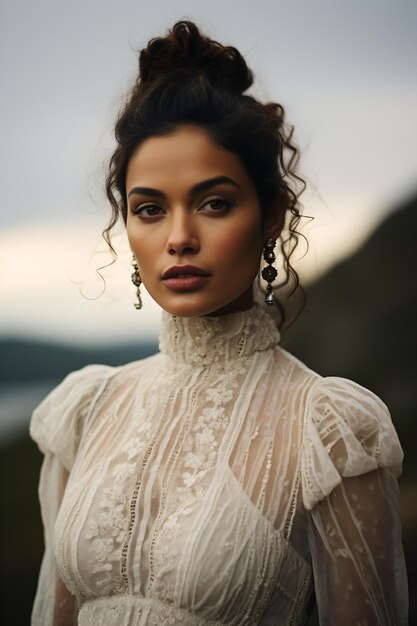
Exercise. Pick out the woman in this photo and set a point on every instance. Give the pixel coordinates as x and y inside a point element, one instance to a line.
<point>219,481</point>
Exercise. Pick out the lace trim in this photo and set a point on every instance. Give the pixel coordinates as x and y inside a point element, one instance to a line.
<point>200,445</point>
<point>115,610</point>
<point>153,550</point>
<point>206,340</point>
<point>133,501</point>
<point>107,531</point>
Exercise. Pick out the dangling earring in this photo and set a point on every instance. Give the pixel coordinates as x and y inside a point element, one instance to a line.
<point>137,281</point>
<point>269,273</point>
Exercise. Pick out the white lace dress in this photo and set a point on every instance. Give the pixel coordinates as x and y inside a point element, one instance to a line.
<point>219,481</point>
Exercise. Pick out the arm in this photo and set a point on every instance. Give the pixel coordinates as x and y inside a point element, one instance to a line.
<point>65,608</point>
<point>54,605</point>
<point>357,557</point>
<point>56,426</point>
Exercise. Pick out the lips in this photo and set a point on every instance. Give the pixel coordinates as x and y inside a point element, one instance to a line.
<point>182,278</point>
<point>183,271</point>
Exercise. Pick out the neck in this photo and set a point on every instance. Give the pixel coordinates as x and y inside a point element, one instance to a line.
<point>243,303</point>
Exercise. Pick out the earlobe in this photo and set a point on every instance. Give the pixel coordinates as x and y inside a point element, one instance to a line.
<point>274,221</point>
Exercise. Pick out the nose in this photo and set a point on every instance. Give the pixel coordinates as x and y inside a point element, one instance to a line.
<point>182,236</point>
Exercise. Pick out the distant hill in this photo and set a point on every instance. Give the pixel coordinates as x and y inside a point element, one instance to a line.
<point>30,361</point>
<point>361,321</point>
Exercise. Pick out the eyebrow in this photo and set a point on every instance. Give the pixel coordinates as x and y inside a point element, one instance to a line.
<point>203,186</point>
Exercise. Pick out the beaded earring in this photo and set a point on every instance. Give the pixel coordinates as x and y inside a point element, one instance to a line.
<point>137,281</point>
<point>269,273</point>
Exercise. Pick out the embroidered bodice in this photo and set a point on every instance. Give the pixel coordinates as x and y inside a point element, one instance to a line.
<point>211,483</point>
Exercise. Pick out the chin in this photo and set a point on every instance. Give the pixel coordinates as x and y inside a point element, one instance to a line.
<point>187,309</point>
<point>194,305</point>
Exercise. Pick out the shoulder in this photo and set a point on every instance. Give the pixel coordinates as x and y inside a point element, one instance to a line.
<point>347,431</point>
<point>297,374</point>
<point>56,423</point>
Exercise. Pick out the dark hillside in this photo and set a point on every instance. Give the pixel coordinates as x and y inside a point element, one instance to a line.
<point>29,361</point>
<point>360,321</point>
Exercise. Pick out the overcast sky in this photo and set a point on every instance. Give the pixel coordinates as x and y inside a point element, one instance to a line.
<point>345,71</point>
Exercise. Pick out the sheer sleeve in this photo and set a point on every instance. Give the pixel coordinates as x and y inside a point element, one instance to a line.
<point>56,426</point>
<point>350,464</point>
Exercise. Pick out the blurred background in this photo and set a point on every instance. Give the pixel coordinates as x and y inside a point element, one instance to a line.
<point>346,73</point>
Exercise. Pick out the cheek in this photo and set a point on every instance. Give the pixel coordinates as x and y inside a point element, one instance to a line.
<point>241,247</point>
<point>140,244</point>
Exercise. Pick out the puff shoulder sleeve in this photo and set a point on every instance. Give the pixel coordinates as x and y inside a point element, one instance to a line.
<point>57,422</point>
<point>350,462</point>
<point>56,426</point>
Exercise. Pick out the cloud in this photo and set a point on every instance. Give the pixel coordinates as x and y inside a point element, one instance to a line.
<point>41,273</point>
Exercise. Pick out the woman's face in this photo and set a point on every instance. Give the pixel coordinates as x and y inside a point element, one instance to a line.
<point>193,224</point>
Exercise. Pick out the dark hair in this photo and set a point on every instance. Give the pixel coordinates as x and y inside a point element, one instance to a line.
<point>188,78</point>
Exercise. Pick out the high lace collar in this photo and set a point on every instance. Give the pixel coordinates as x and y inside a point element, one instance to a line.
<point>207,339</point>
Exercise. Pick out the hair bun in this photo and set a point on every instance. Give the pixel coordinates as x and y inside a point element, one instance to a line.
<point>185,50</point>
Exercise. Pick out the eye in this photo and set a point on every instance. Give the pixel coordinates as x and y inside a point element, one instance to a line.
<point>216,205</point>
<point>147,210</point>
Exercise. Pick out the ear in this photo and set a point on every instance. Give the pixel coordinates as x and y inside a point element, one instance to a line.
<point>274,220</point>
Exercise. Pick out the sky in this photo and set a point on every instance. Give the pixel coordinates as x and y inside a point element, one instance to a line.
<point>344,70</point>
